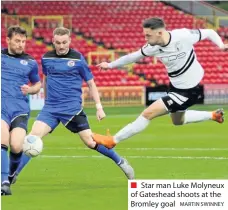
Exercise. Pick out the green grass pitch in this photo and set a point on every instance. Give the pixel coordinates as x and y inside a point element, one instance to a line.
<point>68,176</point>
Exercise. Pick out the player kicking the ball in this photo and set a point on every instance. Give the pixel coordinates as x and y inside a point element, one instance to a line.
<point>175,50</point>
<point>64,70</point>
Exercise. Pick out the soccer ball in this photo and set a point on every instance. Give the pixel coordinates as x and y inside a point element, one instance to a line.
<point>33,145</point>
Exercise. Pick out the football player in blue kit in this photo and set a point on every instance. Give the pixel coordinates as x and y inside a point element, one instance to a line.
<point>64,70</point>
<point>18,69</point>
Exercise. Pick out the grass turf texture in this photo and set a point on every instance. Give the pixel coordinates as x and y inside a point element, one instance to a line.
<point>83,179</point>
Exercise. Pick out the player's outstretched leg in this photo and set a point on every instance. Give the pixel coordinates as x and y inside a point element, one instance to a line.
<point>127,169</point>
<point>121,162</point>
<point>129,130</point>
<point>106,140</point>
<point>86,136</point>
<point>218,115</point>
<point>154,110</point>
<point>192,116</point>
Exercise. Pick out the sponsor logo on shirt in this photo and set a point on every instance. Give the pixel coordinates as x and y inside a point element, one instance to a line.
<point>23,62</point>
<point>70,63</point>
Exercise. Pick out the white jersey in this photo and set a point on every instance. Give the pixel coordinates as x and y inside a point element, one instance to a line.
<point>179,58</point>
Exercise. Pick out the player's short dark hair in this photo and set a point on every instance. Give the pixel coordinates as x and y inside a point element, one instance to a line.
<point>16,30</point>
<point>154,23</point>
<point>61,31</point>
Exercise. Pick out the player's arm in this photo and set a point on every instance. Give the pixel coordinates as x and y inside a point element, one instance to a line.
<point>195,36</point>
<point>95,94</point>
<point>35,80</point>
<point>127,59</point>
<point>34,89</point>
<point>213,36</point>
<point>87,75</point>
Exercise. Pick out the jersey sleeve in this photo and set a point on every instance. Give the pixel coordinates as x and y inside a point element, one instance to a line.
<point>192,36</point>
<point>127,59</point>
<point>85,71</point>
<point>44,70</point>
<point>34,75</point>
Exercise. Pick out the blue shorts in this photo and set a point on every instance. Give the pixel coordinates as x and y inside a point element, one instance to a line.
<point>12,110</point>
<point>75,123</point>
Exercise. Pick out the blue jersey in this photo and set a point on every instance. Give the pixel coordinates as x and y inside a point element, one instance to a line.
<point>64,78</point>
<point>17,70</point>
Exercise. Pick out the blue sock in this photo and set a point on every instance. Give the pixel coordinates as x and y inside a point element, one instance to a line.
<point>24,161</point>
<point>14,162</point>
<point>108,153</point>
<point>4,164</point>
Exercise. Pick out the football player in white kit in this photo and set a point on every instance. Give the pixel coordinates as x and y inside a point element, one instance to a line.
<point>175,50</point>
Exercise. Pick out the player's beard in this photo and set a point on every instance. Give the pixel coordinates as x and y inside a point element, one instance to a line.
<point>16,52</point>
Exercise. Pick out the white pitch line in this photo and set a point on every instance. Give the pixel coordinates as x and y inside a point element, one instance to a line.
<point>145,149</point>
<point>139,157</point>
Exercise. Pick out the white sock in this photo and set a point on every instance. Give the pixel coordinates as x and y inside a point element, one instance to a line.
<point>131,129</point>
<point>192,116</point>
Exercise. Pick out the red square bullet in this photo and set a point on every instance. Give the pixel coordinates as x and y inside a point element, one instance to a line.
<point>133,184</point>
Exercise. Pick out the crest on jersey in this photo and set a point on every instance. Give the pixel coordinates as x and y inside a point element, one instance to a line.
<point>24,62</point>
<point>70,63</point>
<point>178,46</point>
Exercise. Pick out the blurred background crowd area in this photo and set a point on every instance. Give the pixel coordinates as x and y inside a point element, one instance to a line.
<point>106,30</point>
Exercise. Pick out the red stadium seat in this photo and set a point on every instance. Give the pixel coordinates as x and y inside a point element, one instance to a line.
<point>120,29</point>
